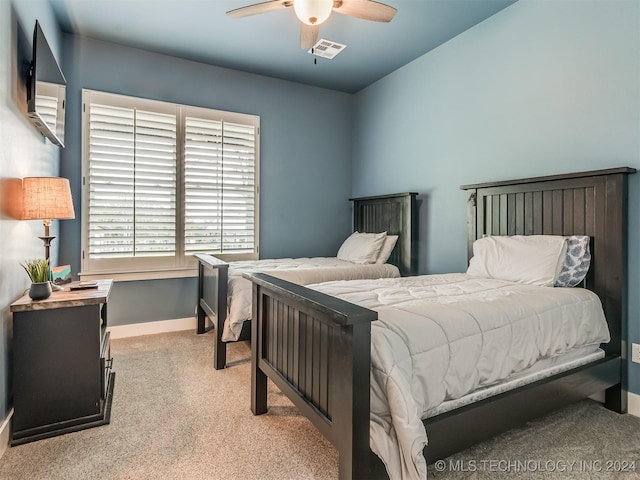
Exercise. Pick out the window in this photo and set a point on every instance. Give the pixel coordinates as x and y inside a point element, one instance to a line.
<point>163,181</point>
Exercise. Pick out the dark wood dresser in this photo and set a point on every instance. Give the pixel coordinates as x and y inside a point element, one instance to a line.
<point>62,375</point>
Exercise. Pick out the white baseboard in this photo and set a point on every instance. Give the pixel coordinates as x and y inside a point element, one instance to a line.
<point>150,328</point>
<point>5,433</point>
<point>633,404</point>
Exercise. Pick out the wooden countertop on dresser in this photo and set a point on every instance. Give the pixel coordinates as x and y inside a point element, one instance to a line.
<point>66,298</point>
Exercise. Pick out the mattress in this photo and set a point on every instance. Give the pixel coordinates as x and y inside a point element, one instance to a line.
<point>302,271</point>
<point>441,337</point>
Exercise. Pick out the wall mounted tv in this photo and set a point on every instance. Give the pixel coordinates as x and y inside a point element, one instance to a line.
<point>46,90</point>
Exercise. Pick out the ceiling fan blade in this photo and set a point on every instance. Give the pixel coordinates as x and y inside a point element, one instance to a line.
<point>263,7</point>
<point>365,9</point>
<point>308,35</point>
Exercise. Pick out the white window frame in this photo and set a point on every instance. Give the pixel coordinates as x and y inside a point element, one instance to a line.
<point>180,265</point>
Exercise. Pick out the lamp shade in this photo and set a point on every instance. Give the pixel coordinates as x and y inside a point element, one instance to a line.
<point>46,198</point>
<point>312,12</point>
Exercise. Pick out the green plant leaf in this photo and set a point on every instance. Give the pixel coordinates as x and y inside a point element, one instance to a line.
<point>37,269</point>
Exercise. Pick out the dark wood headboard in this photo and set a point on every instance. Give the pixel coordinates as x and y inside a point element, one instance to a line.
<point>586,203</point>
<point>397,215</point>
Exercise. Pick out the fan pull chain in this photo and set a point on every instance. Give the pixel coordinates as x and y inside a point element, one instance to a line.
<point>313,52</point>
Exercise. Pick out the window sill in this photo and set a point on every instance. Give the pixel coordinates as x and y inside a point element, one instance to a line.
<point>136,276</point>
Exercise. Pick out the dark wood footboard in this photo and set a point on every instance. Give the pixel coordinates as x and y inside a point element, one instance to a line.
<point>317,350</point>
<point>213,277</point>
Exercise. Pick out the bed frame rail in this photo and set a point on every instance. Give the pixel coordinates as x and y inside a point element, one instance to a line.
<point>316,349</point>
<point>466,426</point>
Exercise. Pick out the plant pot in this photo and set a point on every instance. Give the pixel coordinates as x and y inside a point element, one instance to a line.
<point>40,291</point>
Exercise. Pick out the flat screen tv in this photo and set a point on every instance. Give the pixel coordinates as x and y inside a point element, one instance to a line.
<point>46,90</point>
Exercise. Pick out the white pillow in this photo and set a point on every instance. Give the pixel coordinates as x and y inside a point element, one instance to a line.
<point>387,248</point>
<point>529,259</point>
<point>362,247</point>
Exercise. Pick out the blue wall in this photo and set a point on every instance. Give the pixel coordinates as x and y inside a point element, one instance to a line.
<point>540,88</point>
<point>23,153</point>
<point>305,158</point>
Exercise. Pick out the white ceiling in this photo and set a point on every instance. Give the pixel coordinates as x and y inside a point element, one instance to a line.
<point>269,44</point>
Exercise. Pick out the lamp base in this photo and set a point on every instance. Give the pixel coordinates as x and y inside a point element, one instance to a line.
<point>56,288</point>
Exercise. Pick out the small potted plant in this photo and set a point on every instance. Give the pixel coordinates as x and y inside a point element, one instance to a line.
<point>38,271</point>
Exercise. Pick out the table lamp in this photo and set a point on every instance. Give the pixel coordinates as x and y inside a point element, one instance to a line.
<point>46,199</point>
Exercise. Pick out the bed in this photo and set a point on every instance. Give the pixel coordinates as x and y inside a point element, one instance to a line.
<point>224,296</point>
<point>317,348</point>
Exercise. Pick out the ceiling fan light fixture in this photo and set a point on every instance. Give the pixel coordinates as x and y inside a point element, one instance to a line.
<point>312,12</point>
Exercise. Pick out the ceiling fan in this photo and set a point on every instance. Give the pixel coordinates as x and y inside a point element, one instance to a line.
<point>312,13</point>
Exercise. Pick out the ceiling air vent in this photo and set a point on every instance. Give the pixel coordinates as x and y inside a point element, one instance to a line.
<point>326,48</point>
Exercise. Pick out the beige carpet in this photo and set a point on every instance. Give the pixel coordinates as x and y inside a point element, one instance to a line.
<point>175,417</point>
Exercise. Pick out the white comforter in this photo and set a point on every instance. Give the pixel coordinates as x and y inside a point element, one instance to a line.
<point>302,271</point>
<point>440,337</point>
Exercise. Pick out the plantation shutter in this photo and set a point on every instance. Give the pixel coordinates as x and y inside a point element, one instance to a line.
<point>220,160</point>
<point>132,182</point>
<point>163,181</point>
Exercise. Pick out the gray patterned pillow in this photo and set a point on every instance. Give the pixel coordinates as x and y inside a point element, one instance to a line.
<point>576,262</point>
